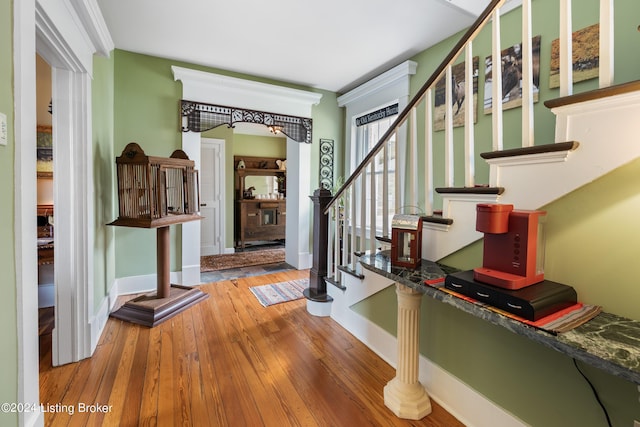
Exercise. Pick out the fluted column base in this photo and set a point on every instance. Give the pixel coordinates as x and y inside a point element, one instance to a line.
<point>404,394</point>
<point>408,401</point>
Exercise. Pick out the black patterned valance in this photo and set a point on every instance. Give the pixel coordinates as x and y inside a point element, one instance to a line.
<point>200,117</point>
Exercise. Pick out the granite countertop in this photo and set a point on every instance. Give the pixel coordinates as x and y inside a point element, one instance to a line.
<point>608,342</point>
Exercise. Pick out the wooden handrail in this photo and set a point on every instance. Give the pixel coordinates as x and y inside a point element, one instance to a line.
<point>431,81</point>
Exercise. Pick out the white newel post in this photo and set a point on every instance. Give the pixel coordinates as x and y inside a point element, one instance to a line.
<point>404,394</point>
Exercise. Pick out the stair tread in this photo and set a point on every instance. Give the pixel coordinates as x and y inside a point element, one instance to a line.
<point>470,190</point>
<point>536,149</point>
<point>594,94</point>
<point>351,272</point>
<point>334,283</point>
<point>437,219</point>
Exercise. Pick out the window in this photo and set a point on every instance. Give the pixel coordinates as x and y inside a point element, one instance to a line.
<point>369,129</point>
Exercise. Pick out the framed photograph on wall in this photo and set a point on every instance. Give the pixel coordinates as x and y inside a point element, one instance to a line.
<point>512,76</point>
<point>585,56</point>
<point>458,96</point>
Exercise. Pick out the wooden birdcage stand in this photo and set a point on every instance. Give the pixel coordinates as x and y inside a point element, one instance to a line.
<point>155,193</point>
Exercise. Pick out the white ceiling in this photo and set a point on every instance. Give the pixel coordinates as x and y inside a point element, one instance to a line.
<point>330,44</point>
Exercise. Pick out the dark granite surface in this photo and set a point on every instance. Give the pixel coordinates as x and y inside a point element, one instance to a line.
<point>608,342</point>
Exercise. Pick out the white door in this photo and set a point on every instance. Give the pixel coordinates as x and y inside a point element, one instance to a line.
<point>212,238</point>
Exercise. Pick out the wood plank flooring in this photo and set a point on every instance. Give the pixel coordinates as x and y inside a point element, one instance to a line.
<point>227,361</point>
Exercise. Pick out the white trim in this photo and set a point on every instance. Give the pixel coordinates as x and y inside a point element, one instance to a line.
<point>62,39</point>
<point>391,77</point>
<point>141,284</point>
<point>388,88</point>
<point>241,93</point>
<point>99,320</point>
<point>73,198</point>
<point>530,159</point>
<point>24,86</point>
<point>94,24</point>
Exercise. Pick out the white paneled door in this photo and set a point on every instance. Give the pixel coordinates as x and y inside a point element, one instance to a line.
<point>212,238</point>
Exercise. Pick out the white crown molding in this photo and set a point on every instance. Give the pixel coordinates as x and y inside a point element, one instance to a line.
<point>388,78</point>
<point>75,25</point>
<point>95,25</point>
<point>202,86</point>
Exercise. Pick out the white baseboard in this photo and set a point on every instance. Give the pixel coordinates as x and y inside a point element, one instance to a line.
<point>458,398</point>
<point>140,284</point>
<point>99,320</point>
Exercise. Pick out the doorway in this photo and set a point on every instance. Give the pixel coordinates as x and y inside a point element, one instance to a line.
<point>212,202</point>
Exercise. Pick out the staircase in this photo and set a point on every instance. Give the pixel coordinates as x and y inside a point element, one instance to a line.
<point>595,134</point>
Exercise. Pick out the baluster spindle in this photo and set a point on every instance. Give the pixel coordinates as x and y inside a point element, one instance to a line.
<point>566,49</point>
<point>527,76</point>
<point>469,162</point>
<point>428,151</point>
<point>606,43</point>
<point>385,190</point>
<point>496,82</point>
<point>373,208</point>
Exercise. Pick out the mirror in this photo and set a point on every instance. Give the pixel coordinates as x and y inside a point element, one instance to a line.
<point>264,187</point>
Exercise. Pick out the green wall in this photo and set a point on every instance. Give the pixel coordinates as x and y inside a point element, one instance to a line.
<point>8,314</point>
<point>105,207</point>
<point>593,236</point>
<point>146,110</point>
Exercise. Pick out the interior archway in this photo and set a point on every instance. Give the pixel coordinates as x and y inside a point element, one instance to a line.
<point>213,88</point>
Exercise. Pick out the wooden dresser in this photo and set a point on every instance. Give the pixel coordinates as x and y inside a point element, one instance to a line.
<point>260,208</point>
<point>260,220</point>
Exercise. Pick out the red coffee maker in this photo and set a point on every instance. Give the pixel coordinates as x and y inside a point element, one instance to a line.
<point>513,256</point>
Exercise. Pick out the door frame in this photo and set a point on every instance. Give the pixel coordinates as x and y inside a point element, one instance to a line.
<point>201,86</point>
<point>221,176</point>
<point>67,35</point>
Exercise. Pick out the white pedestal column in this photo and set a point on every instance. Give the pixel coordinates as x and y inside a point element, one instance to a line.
<point>404,394</point>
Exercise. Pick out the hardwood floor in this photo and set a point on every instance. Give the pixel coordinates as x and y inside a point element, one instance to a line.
<point>227,361</point>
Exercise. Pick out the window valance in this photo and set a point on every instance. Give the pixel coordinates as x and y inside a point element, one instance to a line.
<point>200,117</point>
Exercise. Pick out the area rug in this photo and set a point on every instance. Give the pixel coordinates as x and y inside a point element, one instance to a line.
<point>241,259</point>
<point>277,293</point>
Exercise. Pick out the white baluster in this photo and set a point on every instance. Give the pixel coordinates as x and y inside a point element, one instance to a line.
<point>352,244</point>
<point>397,197</point>
<point>606,43</point>
<point>527,76</point>
<point>385,190</point>
<point>469,142</point>
<point>496,82</point>
<point>361,245</point>
<point>428,151</point>
<point>448,131</point>
<point>373,208</point>
<point>566,49</point>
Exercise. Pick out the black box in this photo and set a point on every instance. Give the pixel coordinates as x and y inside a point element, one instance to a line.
<point>532,303</point>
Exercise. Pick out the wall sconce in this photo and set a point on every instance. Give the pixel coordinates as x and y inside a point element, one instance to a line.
<point>406,241</point>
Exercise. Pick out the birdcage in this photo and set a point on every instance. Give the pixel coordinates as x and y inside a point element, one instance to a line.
<point>156,191</point>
